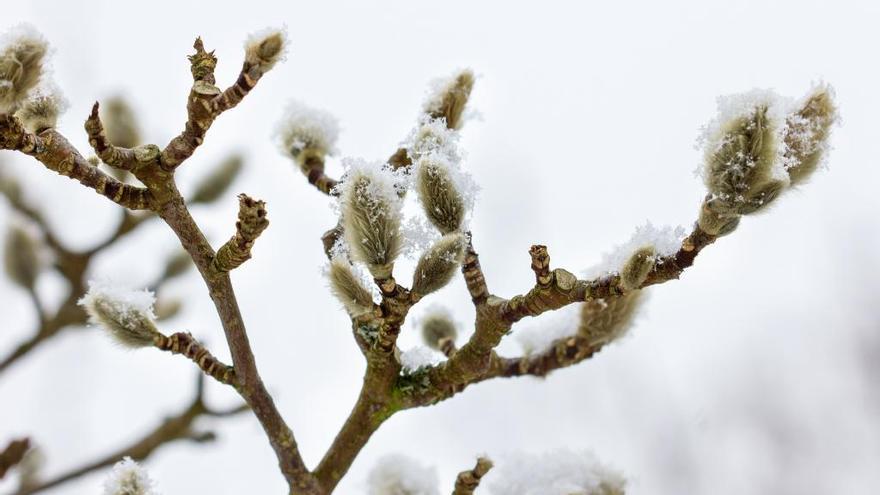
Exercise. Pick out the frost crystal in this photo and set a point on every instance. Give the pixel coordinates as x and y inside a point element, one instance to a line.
<point>561,472</point>
<point>666,242</point>
<point>401,475</point>
<point>128,478</point>
<point>418,357</point>
<point>304,127</point>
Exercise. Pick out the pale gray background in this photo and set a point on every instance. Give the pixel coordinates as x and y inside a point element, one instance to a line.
<point>756,373</point>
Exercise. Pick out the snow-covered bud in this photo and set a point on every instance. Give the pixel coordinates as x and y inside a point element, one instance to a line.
<point>306,133</point>
<point>605,320</point>
<point>42,109</point>
<point>371,219</point>
<point>126,314</point>
<point>437,327</point>
<point>440,198</point>
<point>21,66</point>
<point>128,478</point>
<point>120,123</point>
<point>218,181</point>
<point>637,267</point>
<point>449,96</point>
<point>742,170</point>
<point>433,137</point>
<point>401,475</point>
<point>347,287</point>
<point>265,48</point>
<point>556,472</point>
<point>21,256</point>
<point>806,133</point>
<point>438,264</point>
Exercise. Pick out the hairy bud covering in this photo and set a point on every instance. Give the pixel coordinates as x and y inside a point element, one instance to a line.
<point>440,198</point>
<point>347,287</point>
<point>605,320</point>
<point>438,326</point>
<point>637,268</point>
<point>21,66</point>
<point>218,181</point>
<point>806,134</point>
<point>371,220</point>
<point>449,97</point>
<point>266,48</point>
<point>41,111</point>
<point>438,264</point>
<point>127,315</point>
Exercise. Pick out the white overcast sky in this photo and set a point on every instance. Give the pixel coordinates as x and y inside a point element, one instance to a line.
<point>752,374</point>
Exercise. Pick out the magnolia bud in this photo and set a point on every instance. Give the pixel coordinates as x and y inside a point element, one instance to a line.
<point>218,181</point>
<point>347,287</point>
<point>441,200</point>
<point>438,327</point>
<point>127,315</point>
<point>167,308</point>
<point>605,320</point>
<point>306,132</point>
<point>128,478</point>
<point>41,111</point>
<point>371,220</point>
<point>438,264</point>
<point>21,256</point>
<point>636,269</point>
<point>740,159</point>
<point>21,67</point>
<point>449,97</point>
<point>265,48</point>
<point>177,265</point>
<point>806,134</point>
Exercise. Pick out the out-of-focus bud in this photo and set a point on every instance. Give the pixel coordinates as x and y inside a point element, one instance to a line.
<point>449,97</point>
<point>120,123</point>
<point>125,314</point>
<point>438,264</point>
<point>437,328</point>
<point>265,48</point>
<point>41,110</point>
<point>22,59</point>
<point>439,195</point>
<point>400,475</point>
<point>21,256</point>
<point>371,220</point>
<point>347,287</point>
<point>637,268</point>
<point>806,134</point>
<point>167,308</point>
<point>605,320</point>
<point>177,265</point>
<point>218,181</point>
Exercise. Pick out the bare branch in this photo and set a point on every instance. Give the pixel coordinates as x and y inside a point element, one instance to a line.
<point>186,345</point>
<point>13,454</point>
<point>468,481</point>
<point>251,223</point>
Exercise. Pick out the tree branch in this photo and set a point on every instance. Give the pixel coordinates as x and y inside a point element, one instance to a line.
<point>13,454</point>
<point>251,223</point>
<point>468,481</point>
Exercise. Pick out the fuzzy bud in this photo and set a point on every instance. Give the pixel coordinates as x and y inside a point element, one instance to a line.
<point>265,48</point>
<point>441,200</point>
<point>605,320</point>
<point>636,269</point>
<point>128,478</point>
<point>21,66</point>
<point>438,264</point>
<point>21,256</point>
<point>449,97</point>
<point>177,265</point>
<point>126,315</point>
<point>306,132</point>
<point>218,181</point>
<point>41,111</point>
<point>401,475</point>
<point>740,163</point>
<point>347,287</point>
<point>371,220</point>
<point>806,134</point>
<point>168,308</point>
<point>438,327</point>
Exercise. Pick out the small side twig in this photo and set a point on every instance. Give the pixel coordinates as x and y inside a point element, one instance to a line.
<point>468,481</point>
<point>13,454</point>
<point>251,223</point>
